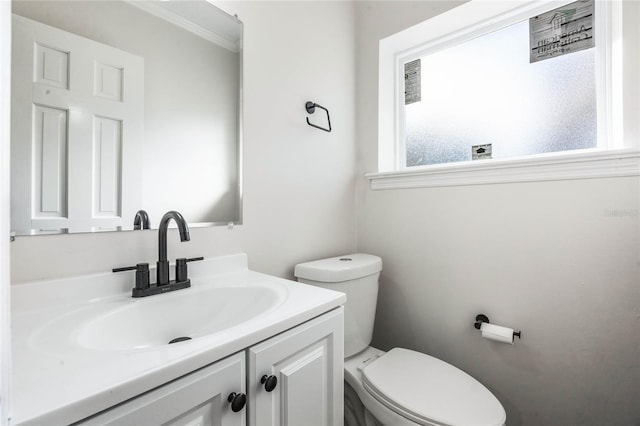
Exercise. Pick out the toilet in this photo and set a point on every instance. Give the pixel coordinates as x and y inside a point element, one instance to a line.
<point>399,387</point>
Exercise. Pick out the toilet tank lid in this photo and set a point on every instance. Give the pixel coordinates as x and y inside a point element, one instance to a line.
<point>339,268</point>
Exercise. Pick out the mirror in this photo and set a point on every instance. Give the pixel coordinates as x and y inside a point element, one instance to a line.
<point>119,106</point>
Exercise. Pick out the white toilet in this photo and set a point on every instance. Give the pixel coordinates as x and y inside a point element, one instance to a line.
<point>399,387</point>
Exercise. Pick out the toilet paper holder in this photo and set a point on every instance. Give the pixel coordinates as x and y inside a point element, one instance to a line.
<point>480,318</point>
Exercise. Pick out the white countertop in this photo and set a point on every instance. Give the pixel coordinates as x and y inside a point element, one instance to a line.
<point>57,382</point>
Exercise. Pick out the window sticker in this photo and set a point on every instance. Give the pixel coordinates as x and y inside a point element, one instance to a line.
<point>481,152</point>
<point>564,30</point>
<point>412,89</point>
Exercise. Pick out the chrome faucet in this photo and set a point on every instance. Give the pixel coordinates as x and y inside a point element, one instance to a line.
<point>163,263</point>
<point>141,220</point>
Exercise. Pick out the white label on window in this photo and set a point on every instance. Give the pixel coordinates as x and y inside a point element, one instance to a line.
<point>412,89</point>
<point>566,29</point>
<point>481,152</point>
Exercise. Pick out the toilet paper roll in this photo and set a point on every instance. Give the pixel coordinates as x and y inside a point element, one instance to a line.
<point>497,333</point>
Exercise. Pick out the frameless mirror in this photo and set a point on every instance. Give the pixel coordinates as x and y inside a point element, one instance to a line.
<point>120,106</point>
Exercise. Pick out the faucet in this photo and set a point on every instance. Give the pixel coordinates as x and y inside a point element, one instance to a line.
<point>141,220</point>
<point>143,287</point>
<point>163,263</point>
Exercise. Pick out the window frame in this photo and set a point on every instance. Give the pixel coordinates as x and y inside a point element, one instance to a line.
<point>474,19</point>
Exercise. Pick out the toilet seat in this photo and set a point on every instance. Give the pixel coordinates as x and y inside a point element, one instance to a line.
<point>429,391</point>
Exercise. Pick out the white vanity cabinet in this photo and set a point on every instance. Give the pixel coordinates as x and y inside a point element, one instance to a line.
<point>307,364</point>
<point>306,361</point>
<point>197,399</point>
<point>88,359</point>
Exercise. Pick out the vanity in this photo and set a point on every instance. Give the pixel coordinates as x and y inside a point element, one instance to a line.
<point>250,349</point>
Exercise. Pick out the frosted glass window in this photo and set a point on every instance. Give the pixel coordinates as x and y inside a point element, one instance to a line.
<point>485,91</point>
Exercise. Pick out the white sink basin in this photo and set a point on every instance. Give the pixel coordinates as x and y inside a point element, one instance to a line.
<point>124,323</point>
<point>156,320</point>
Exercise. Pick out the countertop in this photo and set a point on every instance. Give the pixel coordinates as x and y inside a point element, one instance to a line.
<point>56,381</point>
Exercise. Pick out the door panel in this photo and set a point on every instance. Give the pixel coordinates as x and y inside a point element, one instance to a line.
<point>107,156</point>
<point>308,372</point>
<point>50,163</point>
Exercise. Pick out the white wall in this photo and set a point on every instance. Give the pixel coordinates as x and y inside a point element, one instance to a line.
<point>558,260</point>
<point>5,288</point>
<point>299,185</point>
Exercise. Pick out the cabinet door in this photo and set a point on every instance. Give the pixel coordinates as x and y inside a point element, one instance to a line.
<point>307,362</point>
<point>198,399</point>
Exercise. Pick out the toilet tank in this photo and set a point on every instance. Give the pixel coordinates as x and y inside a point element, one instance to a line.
<point>356,275</point>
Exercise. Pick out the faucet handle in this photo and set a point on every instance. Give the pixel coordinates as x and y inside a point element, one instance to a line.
<point>181,267</point>
<point>142,274</point>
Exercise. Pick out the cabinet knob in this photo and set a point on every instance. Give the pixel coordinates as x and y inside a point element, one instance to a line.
<point>269,382</point>
<point>237,400</point>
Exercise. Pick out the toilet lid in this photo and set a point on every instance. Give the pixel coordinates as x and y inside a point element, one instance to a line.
<point>427,390</point>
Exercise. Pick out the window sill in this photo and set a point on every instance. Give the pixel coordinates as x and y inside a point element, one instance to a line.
<point>589,165</point>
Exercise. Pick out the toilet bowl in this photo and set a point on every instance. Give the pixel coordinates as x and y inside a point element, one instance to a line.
<point>399,387</point>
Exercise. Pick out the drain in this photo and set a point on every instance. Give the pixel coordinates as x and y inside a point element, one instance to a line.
<point>179,339</point>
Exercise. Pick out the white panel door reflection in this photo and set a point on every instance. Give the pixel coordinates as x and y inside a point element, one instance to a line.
<point>77,122</point>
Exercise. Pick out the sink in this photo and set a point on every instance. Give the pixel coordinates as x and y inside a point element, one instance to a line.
<point>124,323</point>
<point>192,313</point>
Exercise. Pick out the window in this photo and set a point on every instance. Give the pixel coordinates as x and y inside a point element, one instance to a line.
<point>484,92</point>
<point>467,85</point>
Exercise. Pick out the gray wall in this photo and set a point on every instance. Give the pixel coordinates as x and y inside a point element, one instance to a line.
<point>558,260</point>
<point>299,188</point>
